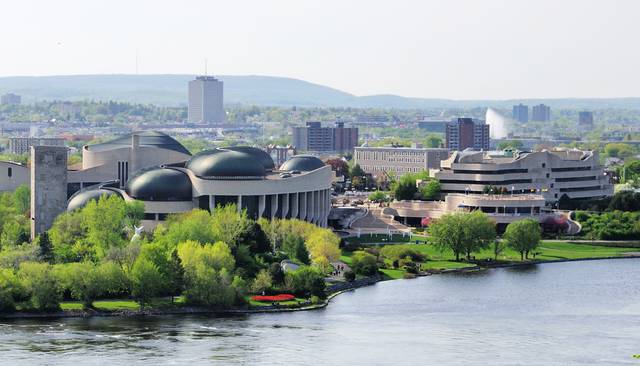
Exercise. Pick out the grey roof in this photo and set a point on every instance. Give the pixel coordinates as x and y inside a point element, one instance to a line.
<point>147,138</point>
<point>304,163</point>
<point>226,164</point>
<point>83,197</point>
<point>262,156</point>
<point>160,184</point>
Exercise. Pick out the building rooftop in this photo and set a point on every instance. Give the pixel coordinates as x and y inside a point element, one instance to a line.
<point>147,138</point>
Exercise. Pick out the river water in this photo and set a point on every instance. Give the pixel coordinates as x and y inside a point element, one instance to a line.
<point>578,313</point>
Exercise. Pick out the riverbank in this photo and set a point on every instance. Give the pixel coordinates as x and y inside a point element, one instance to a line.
<point>334,291</point>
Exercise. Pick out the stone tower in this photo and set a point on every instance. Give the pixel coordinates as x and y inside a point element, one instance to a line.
<point>48,186</point>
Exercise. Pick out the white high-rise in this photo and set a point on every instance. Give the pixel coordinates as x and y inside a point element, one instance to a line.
<point>206,100</point>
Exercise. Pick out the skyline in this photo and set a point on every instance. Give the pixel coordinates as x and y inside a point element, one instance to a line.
<point>579,49</point>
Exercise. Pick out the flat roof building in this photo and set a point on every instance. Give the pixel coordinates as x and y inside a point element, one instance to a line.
<point>10,98</point>
<point>22,145</point>
<point>315,138</point>
<point>464,133</point>
<point>541,113</point>
<point>398,160</point>
<point>520,113</point>
<point>206,103</point>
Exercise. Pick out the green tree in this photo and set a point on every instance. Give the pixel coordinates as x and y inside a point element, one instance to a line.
<point>448,233</point>
<point>378,196</point>
<point>430,190</point>
<point>276,272</point>
<point>405,188</point>
<point>11,290</point>
<point>146,281</point>
<point>82,280</point>
<point>22,199</point>
<point>46,248</point>
<point>512,144</point>
<point>262,283</point>
<point>498,248</point>
<point>356,171</point>
<point>294,247</point>
<point>479,232</point>
<point>40,283</point>
<point>306,281</point>
<point>523,236</point>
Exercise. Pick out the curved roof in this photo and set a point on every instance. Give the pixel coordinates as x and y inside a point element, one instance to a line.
<point>147,138</point>
<point>304,163</point>
<point>83,197</point>
<point>226,164</point>
<point>262,156</point>
<point>160,184</point>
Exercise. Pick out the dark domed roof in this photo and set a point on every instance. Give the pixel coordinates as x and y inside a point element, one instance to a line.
<point>305,163</point>
<point>160,184</point>
<point>146,138</point>
<point>262,156</point>
<point>81,198</point>
<point>226,164</point>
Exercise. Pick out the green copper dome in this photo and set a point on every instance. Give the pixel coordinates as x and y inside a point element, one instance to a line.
<point>160,184</point>
<point>83,197</point>
<point>303,163</point>
<point>226,164</point>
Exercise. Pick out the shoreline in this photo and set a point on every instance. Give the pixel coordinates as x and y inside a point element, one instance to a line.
<point>227,312</point>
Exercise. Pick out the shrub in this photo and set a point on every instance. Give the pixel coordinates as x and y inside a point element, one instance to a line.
<point>397,252</point>
<point>306,281</point>
<point>11,291</point>
<point>364,263</point>
<point>40,283</point>
<point>350,276</point>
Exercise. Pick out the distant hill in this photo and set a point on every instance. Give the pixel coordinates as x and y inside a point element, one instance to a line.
<point>171,90</point>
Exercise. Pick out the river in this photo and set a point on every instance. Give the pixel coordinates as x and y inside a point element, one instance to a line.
<point>575,313</point>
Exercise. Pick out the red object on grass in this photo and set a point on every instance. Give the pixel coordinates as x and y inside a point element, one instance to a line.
<point>280,297</point>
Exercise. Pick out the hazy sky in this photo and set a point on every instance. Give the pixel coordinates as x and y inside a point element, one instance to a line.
<point>464,49</point>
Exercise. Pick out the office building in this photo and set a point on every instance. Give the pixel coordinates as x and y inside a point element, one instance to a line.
<point>574,173</point>
<point>398,160</point>
<point>315,138</point>
<point>463,133</point>
<point>22,145</point>
<point>206,100</point>
<point>10,98</point>
<point>585,120</point>
<point>521,113</point>
<point>541,113</point>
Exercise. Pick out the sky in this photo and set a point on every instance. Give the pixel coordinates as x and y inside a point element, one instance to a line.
<point>458,49</point>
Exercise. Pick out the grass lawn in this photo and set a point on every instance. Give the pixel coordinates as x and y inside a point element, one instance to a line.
<point>548,250</point>
<point>393,274</point>
<point>122,304</point>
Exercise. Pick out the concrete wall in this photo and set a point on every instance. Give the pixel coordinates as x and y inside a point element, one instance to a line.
<point>48,186</point>
<point>13,175</point>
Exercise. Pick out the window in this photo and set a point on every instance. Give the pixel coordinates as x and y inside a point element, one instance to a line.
<point>544,165</point>
<point>9,172</point>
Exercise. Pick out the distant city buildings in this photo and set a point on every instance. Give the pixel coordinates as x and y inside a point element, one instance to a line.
<point>10,98</point>
<point>521,113</point>
<point>206,100</point>
<point>541,113</point>
<point>22,145</point>
<point>585,120</point>
<point>463,133</point>
<point>315,138</point>
<point>398,160</point>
